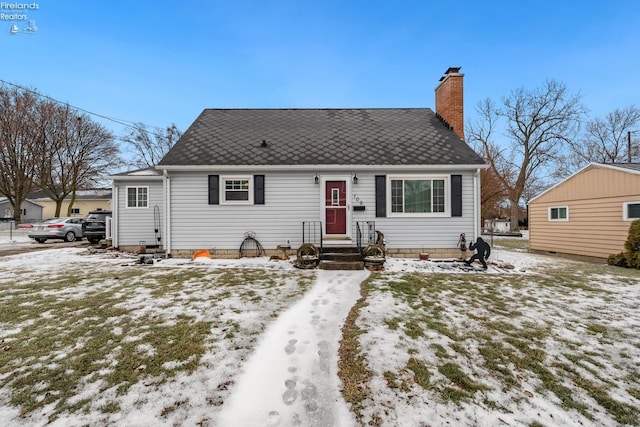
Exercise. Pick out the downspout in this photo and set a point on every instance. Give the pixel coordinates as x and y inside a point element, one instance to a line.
<point>476,204</point>
<point>114,215</point>
<point>166,184</point>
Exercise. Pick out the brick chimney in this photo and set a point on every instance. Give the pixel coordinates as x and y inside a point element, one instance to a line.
<point>449,100</point>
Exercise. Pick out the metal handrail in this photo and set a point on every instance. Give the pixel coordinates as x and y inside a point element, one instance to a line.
<point>369,234</point>
<point>312,233</point>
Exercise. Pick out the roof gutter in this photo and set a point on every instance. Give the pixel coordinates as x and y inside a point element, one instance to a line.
<point>134,177</point>
<point>306,168</point>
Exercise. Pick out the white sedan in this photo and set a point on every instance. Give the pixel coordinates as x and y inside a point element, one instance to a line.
<point>65,228</point>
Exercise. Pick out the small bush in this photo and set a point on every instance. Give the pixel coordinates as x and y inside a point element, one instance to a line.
<point>618,260</point>
<point>631,256</point>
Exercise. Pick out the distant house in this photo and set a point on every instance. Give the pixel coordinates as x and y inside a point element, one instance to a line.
<point>587,214</point>
<point>287,173</point>
<point>86,201</point>
<point>497,225</point>
<point>31,210</point>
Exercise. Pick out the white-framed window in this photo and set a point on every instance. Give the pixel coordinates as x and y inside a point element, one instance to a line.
<point>418,195</point>
<point>559,213</point>
<point>137,197</point>
<point>237,190</point>
<point>631,211</point>
<point>75,211</point>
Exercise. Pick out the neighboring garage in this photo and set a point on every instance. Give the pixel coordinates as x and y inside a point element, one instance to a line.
<point>587,214</point>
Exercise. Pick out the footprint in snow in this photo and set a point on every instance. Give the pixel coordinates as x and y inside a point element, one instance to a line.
<point>273,419</point>
<point>295,419</point>
<point>290,396</point>
<point>309,392</point>
<point>291,347</point>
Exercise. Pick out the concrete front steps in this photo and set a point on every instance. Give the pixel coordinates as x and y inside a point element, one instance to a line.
<point>340,258</point>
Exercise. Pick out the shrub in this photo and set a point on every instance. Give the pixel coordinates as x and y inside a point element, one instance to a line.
<point>631,256</point>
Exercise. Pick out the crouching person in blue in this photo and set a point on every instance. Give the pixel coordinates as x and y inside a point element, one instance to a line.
<point>483,250</point>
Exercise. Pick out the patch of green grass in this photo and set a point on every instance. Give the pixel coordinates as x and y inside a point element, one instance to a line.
<point>352,365</point>
<point>110,408</point>
<point>421,374</point>
<point>455,374</point>
<point>393,323</point>
<point>597,328</point>
<point>413,329</point>
<point>439,351</point>
<point>456,395</point>
<point>622,412</point>
<point>497,358</point>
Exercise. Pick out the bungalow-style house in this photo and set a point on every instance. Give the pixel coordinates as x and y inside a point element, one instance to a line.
<point>86,200</point>
<point>287,174</point>
<point>587,214</point>
<point>31,210</point>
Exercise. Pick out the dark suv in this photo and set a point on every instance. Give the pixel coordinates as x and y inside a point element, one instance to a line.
<point>94,225</point>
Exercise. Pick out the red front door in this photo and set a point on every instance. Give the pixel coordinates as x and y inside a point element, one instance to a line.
<point>335,203</point>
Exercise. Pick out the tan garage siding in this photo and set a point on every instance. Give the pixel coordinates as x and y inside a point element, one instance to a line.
<point>593,184</point>
<point>595,199</point>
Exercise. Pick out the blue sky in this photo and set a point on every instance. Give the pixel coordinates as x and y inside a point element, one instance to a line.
<point>163,62</point>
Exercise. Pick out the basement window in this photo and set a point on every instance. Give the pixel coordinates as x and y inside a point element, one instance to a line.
<point>631,211</point>
<point>559,213</point>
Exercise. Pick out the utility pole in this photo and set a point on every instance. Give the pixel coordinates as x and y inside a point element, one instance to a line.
<point>629,146</point>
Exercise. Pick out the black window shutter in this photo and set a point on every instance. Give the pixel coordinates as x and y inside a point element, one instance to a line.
<point>258,189</point>
<point>381,196</point>
<point>214,189</point>
<point>456,195</point>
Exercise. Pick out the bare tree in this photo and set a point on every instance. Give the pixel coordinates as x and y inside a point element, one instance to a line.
<point>21,141</point>
<point>92,153</point>
<point>150,146</point>
<point>79,152</point>
<point>606,139</point>
<point>539,124</point>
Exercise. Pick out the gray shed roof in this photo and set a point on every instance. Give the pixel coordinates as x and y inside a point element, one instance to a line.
<point>359,136</point>
<point>84,194</point>
<point>631,166</point>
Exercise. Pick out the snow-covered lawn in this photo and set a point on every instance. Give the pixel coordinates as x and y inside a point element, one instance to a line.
<point>98,340</point>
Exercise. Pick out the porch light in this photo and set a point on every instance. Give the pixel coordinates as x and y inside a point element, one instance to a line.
<point>316,179</point>
<point>355,178</point>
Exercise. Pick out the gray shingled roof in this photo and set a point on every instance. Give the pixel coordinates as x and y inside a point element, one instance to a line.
<point>631,166</point>
<point>83,194</point>
<point>362,136</point>
<point>150,172</point>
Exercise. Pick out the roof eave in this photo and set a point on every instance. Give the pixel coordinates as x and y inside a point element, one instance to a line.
<point>197,168</point>
<point>134,177</point>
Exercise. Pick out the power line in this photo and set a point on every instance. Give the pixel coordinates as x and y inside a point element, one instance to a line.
<point>126,123</point>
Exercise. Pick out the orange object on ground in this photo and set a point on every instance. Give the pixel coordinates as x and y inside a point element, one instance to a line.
<point>204,253</point>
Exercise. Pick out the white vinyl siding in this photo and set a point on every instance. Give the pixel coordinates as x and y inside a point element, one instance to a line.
<point>138,225</point>
<point>293,197</point>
